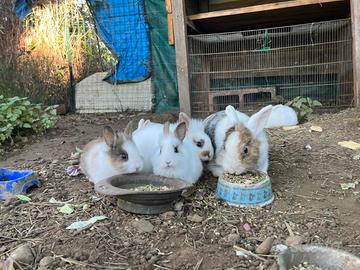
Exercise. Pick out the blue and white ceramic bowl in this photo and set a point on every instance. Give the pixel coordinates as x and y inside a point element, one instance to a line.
<point>243,195</point>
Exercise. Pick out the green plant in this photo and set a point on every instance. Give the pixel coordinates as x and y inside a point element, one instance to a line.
<point>304,106</point>
<point>18,114</point>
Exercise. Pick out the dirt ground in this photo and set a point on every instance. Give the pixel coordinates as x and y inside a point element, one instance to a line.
<point>306,184</point>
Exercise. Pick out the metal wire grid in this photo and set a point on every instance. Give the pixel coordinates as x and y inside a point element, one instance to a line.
<point>93,94</point>
<point>249,69</point>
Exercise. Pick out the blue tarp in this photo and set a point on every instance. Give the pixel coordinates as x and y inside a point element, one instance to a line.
<point>122,26</point>
<point>22,8</point>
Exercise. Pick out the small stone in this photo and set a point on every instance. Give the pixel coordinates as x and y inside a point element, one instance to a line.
<point>23,255</point>
<point>143,225</point>
<point>178,206</point>
<point>265,247</point>
<point>55,161</point>
<point>195,218</point>
<point>46,261</point>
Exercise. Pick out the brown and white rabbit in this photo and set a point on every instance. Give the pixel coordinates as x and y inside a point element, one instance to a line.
<point>240,141</point>
<point>113,154</point>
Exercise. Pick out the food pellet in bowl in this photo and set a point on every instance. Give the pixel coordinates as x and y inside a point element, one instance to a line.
<point>150,187</point>
<point>306,266</point>
<point>248,178</point>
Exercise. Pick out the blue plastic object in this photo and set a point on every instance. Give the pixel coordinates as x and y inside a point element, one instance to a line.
<point>242,195</point>
<point>14,182</point>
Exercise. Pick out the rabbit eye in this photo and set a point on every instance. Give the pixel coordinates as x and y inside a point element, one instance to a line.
<point>246,150</point>
<point>200,143</point>
<point>176,150</point>
<point>123,156</point>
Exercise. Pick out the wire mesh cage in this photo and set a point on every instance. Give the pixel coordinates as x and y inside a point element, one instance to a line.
<point>144,77</point>
<point>249,69</point>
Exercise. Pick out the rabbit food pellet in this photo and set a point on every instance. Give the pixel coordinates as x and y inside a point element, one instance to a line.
<point>248,178</point>
<point>150,187</point>
<point>306,266</point>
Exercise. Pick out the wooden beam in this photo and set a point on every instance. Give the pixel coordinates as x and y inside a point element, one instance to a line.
<point>259,8</point>
<point>171,38</point>
<point>355,20</point>
<point>181,51</point>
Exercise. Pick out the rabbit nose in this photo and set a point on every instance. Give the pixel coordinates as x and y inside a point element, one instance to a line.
<point>168,163</point>
<point>205,154</point>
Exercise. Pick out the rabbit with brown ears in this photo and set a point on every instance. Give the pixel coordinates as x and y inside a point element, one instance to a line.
<point>113,154</point>
<point>240,141</point>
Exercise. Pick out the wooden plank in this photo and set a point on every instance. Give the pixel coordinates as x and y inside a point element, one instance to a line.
<point>168,6</point>
<point>259,8</point>
<point>171,37</point>
<point>181,51</point>
<point>355,19</point>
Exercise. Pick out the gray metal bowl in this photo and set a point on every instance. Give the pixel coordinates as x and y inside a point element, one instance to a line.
<point>142,202</point>
<point>327,258</point>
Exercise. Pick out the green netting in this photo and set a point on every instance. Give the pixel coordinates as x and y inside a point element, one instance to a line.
<point>164,81</point>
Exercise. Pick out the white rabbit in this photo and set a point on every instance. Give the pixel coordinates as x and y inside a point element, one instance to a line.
<point>113,154</point>
<point>176,157</point>
<point>195,134</point>
<point>240,142</point>
<point>282,115</point>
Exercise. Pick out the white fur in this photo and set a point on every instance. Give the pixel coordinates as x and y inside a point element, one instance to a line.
<point>226,156</point>
<point>282,115</point>
<point>194,134</point>
<point>185,164</point>
<point>146,139</point>
<point>96,166</point>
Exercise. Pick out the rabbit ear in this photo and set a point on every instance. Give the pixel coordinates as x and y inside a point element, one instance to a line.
<point>166,129</point>
<point>258,121</point>
<point>109,136</point>
<point>180,131</point>
<point>129,130</point>
<point>231,114</point>
<point>183,117</point>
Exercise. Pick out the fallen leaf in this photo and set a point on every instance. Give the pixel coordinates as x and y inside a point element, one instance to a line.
<point>345,186</point>
<point>53,200</point>
<point>350,144</point>
<point>316,129</point>
<point>290,127</point>
<point>23,198</point>
<point>81,225</point>
<point>66,209</point>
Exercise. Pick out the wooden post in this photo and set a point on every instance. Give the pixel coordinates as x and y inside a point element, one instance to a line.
<point>355,21</point>
<point>170,22</point>
<point>181,49</point>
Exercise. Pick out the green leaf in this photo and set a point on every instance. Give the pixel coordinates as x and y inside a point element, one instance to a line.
<point>26,125</point>
<point>66,209</point>
<point>316,103</point>
<point>23,198</point>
